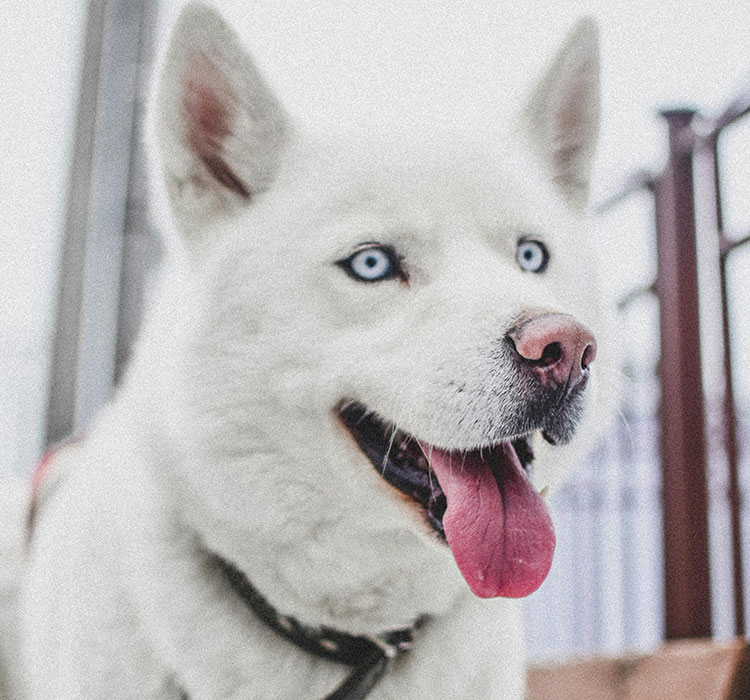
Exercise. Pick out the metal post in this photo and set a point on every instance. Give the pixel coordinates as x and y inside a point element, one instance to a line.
<point>731,445</point>
<point>683,438</point>
<point>66,342</point>
<point>732,451</point>
<point>86,327</point>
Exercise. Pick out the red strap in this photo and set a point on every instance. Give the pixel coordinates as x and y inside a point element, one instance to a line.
<point>40,472</point>
<point>38,480</point>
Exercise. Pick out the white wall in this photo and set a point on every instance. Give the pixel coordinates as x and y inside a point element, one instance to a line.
<point>40,54</point>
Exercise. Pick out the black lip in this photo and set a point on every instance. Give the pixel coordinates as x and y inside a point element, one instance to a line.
<point>399,459</point>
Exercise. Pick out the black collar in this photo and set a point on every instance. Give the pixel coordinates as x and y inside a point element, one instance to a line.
<point>370,657</point>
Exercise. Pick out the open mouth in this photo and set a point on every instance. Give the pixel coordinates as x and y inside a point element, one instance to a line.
<point>480,501</point>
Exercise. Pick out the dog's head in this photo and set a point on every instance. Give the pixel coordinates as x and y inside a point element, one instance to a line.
<point>378,336</point>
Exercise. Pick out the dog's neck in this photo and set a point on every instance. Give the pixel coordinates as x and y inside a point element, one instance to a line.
<point>370,657</point>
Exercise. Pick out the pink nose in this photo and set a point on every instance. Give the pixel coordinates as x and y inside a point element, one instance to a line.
<point>556,347</point>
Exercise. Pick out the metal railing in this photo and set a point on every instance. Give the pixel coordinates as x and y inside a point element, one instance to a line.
<point>677,190</point>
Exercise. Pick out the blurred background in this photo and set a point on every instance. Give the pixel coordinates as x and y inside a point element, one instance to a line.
<point>79,245</point>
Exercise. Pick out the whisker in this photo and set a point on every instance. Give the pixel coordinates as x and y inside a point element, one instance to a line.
<point>428,457</point>
<point>628,430</point>
<point>390,447</point>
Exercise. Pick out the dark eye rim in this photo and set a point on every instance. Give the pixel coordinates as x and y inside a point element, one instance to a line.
<point>396,272</point>
<point>544,249</point>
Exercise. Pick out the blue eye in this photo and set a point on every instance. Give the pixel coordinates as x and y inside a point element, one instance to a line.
<point>532,256</point>
<point>372,263</point>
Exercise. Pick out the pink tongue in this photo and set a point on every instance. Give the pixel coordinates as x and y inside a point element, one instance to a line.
<point>502,538</point>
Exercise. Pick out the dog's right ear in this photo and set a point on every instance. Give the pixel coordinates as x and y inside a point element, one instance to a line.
<point>220,132</point>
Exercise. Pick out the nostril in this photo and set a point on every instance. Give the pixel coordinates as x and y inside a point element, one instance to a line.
<point>589,353</point>
<point>551,355</point>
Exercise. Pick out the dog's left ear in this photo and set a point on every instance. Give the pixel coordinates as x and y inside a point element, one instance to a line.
<point>220,132</point>
<point>561,118</point>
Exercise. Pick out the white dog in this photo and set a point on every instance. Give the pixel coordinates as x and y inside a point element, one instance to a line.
<point>320,458</point>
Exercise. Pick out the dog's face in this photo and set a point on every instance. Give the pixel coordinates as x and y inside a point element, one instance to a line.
<point>379,335</point>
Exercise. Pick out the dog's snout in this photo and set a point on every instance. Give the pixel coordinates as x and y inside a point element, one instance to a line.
<point>556,347</point>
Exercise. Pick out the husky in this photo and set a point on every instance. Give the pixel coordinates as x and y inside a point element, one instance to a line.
<point>369,354</point>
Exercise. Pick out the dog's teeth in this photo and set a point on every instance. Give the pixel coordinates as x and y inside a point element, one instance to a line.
<point>543,493</point>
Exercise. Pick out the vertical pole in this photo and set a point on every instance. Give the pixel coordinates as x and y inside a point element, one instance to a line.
<point>63,388</point>
<point>683,438</point>
<point>731,445</point>
<point>86,325</point>
<point>732,451</point>
<point>141,244</point>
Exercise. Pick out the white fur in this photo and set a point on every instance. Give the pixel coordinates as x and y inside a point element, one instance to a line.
<point>223,435</point>
<point>13,508</point>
